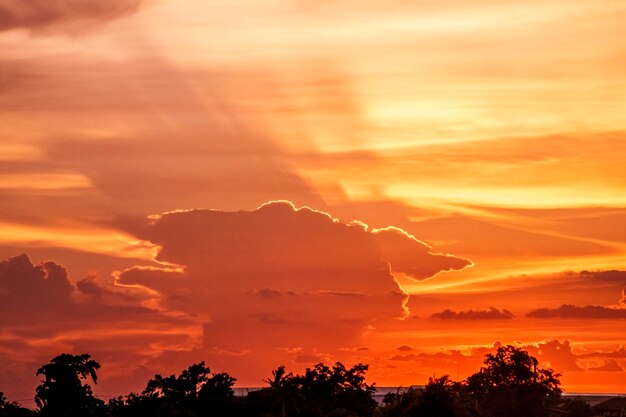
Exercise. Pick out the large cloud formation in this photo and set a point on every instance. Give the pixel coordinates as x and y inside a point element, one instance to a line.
<point>243,290</point>
<point>42,14</point>
<point>280,276</point>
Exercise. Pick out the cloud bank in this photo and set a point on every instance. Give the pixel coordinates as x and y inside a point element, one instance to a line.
<point>43,313</point>
<point>37,15</point>
<point>491,314</point>
<point>569,311</point>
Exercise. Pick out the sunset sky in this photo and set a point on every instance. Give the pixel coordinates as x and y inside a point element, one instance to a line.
<point>406,184</point>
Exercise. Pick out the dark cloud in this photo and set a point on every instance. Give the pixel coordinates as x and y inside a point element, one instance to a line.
<point>90,286</point>
<point>37,15</point>
<point>43,313</point>
<point>26,287</point>
<point>568,311</point>
<point>43,294</point>
<point>409,357</point>
<point>491,314</point>
<point>269,293</point>
<point>340,293</point>
<point>309,359</point>
<point>405,348</point>
<point>610,276</point>
<point>618,354</point>
<point>614,278</point>
<point>598,288</point>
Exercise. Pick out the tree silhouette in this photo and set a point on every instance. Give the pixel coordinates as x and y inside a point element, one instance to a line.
<point>194,392</point>
<point>280,385</point>
<point>321,391</point>
<point>13,409</point>
<point>62,392</point>
<point>182,390</point>
<point>217,397</point>
<point>441,397</point>
<point>511,384</point>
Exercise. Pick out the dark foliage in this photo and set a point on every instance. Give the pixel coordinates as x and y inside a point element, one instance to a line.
<point>321,391</point>
<point>440,398</point>
<point>195,392</point>
<point>62,391</point>
<point>13,409</point>
<point>509,384</point>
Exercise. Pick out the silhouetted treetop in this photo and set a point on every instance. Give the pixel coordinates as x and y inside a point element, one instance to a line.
<point>512,384</point>
<point>62,391</point>
<point>513,367</point>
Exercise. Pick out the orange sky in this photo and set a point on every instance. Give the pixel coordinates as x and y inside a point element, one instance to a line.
<point>490,134</point>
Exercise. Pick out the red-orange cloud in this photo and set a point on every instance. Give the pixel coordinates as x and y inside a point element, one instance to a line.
<point>282,277</point>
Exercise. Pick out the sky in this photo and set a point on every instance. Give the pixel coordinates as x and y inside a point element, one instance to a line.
<point>261,183</point>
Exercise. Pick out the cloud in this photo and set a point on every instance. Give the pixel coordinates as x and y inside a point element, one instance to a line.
<point>405,348</point>
<point>309,359</point>
<point>43,313</point>
<point>43,294</point>
<point>556,354</point>
<point>609,366</point>
<point>279,276</point>
<point>23,286</point>
<point>550,353</point>
<point>37,15</point>
<point>412,257</point>
<point>91,287</point>
<point>491,314</point>
<point>269,293</point>
<point>610,276</point>
<point>569,311</point>
<point>616,354</point>
<point>409,357</point>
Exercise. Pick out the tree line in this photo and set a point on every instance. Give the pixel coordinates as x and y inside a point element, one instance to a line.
<point>510,383</point>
